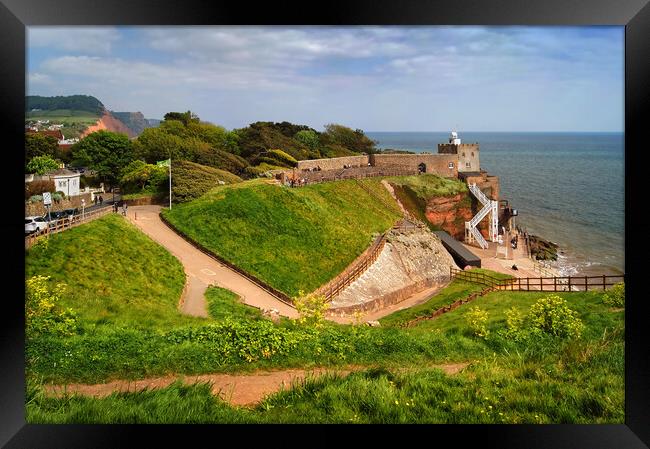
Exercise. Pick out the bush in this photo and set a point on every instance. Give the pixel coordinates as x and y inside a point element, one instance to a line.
<point>311,309</point>
<point>551,315</point>
<point>514,324</point>
<point>38,188</point>
<point>616,296</point>
<point>43,315</point>
<point>477,321</point>
<point>283,157</point>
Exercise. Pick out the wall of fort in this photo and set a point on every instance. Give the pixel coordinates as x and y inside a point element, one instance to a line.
<point>445,165</point>
<point>334,163</point>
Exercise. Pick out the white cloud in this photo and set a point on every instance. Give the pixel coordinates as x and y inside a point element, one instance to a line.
<point>87,40</point>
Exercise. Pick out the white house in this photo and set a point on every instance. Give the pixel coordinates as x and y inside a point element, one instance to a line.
<point>66,181</point>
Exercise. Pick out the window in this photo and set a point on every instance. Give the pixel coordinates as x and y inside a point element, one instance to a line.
<point>451,165</point>
<point>467,165</point>
<point>463,154</point>
<point>472,154</point>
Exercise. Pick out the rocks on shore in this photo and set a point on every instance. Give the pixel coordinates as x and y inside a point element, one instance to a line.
<point>542,249</point>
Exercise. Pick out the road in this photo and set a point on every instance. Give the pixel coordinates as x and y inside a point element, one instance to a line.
<point>201,269</point>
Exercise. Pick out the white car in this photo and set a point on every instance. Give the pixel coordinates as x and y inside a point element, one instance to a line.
<point>33,224</point>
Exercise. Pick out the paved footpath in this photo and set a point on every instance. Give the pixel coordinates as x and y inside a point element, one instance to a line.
<point>201,269</point>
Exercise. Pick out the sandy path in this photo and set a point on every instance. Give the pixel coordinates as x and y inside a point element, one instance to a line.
<point>201,269</point>
<point>237,389</point>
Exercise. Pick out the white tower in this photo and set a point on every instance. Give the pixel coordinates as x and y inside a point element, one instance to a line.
<point>454,138</point>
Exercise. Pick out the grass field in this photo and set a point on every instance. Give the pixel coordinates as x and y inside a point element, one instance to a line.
<point>543,381</point>
<point>293,239</point>
<point>116,275</point>
<point>427,186</point>
<point>63,116</point>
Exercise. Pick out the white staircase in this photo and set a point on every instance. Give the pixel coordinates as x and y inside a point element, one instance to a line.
<point>489,207</point>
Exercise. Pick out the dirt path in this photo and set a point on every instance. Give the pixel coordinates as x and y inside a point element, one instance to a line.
<point>201,269</point>
<point>237,389</point>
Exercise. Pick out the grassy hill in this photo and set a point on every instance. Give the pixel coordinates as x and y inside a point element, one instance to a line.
<point>293,239</point>
<point>115,274</point>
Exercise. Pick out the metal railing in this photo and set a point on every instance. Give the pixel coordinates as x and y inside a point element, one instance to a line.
<point>544,284</point>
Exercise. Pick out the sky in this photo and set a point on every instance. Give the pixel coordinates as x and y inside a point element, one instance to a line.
<point>379,78</point>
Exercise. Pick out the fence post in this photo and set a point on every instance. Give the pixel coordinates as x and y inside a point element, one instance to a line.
<point>586,285</point>
<point>527,284</point>
<point>604,282</point>
<point>554,284</point>
<point>569,283</point>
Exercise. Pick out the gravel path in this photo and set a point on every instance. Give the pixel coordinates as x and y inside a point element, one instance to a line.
<point>201,269</point>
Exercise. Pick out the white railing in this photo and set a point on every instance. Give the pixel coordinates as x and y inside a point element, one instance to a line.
<point>489,206</point>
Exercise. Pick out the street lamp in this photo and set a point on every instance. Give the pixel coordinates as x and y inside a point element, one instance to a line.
<point>83,208</point>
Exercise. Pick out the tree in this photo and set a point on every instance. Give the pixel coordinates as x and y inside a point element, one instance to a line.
<point>143,175</point>
<point>41,165</point>
<point>184,117</point>
<point>156,144</point>
<point>308,138</point>
<point>105,152</point>
<point>354,140</point>
<point>40,145</point>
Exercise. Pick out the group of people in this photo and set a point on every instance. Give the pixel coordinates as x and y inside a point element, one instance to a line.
<point>99,199</point>
<point>116,207</point>
<point>314,168</point>
<point>294,182</point>
<point>514,241</point>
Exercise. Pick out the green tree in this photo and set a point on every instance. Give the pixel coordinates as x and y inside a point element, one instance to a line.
<point>308,138</point>
<point>143,175</point>
<point>354,140</point>
<point>105,152</point>
<point>184,117</point>
<point>41,165</point>
<point>40,145</point>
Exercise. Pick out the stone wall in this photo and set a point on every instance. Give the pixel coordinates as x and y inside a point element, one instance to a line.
<point>434,163</point>
<point>333,163</point>
<point>487,183</point>
<point>37,209</point>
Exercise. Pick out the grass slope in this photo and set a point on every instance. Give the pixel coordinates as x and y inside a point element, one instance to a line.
<point>293,239</point>
<point>191,180</point>
<point>115,274</point>
<point>544,381</point>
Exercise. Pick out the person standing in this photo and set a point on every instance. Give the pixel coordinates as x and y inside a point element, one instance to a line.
<point>124,207</point>
<point>101,200</point>
<point>96,200</point>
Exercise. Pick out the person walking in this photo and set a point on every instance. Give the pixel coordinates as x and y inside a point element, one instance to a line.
<point>124,207</point>
<point>96,200</point>
<point>101,200</point>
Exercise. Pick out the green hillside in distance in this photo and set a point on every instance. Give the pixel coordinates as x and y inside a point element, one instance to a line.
<point>87,103</point>
<point>292,239</point>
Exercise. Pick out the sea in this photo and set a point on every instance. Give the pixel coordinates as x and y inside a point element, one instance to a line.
<point>567,187</point>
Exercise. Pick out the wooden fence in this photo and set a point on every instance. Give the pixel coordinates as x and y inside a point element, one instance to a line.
<point>354,270</point>
<point>544,284</point>
<point>66,223</point>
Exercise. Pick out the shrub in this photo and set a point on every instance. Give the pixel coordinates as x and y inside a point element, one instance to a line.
<point>514,324</point>
<point>552,316</point>
<point>43,315</point>
<point>283,157</point>
<point>616,296</point>
<point>38,187</point>
<point>311,309</point>
<point>477,321</point>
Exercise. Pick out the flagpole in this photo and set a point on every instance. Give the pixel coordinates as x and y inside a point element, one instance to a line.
<point>170,182</point>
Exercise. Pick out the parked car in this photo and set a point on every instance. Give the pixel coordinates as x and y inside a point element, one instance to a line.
<point>34,224</point>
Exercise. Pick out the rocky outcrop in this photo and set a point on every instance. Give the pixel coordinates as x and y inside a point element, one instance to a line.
<point>109,123</point>
<point>450,213</point>
<point>135,121</point>
<point>542,249</point>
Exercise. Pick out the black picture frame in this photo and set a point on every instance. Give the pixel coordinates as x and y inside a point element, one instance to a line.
<point>15,15</point>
